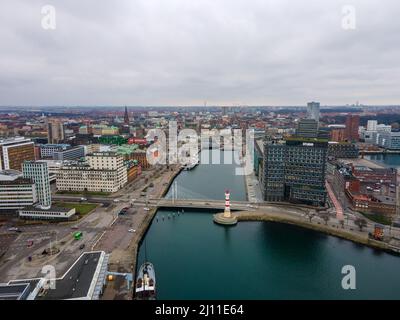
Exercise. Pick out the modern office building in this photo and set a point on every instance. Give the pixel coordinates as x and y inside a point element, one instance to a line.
<point>14,151</point>
<point>389,140</point>
<point>294,170</point>
<point>343,150</point>
<point>53,166</point>
<point>375,131</point>
<point>47,150</point>
<point>55,131</point>
<point>16,192</point>
<point>352,124</point>
<point>101,172</point>
<point>307,128</point>
<point>313,111</point>
<point>70,154</point>
<point>39,173</point>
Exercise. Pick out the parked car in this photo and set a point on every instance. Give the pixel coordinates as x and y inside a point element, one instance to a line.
<point>132,230</point>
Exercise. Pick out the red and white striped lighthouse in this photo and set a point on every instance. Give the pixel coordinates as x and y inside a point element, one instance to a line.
<point>227,211</point>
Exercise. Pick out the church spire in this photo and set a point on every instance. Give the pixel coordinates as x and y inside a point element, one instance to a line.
<point>126,117</point>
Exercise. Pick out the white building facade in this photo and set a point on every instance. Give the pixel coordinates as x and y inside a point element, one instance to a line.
<point>102,172</point>
<point>39,173</point>
<point>16,192</point>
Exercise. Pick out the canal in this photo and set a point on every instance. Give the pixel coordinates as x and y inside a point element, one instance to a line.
<point>196,259</point>
<point>387,159</point>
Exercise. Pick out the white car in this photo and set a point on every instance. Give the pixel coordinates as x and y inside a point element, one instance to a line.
<point>132,230</point>
<point>116,200</point>
<point>146,209</point>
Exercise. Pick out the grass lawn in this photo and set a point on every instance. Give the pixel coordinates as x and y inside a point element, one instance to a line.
<point>378,218</point>
<point>81,208</point>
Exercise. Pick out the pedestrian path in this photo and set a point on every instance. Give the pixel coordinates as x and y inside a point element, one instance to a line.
<point>253,188</point>
<point>335,201</point>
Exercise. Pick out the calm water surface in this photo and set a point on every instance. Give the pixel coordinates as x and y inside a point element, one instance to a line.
<point>196,259</point>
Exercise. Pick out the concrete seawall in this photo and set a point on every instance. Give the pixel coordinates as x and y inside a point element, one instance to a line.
<point>352,235</point>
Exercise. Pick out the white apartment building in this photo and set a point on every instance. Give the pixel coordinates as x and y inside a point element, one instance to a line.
<point>102,172</point>
<point>39,173</point>
<point>371,125</point>
<point>16,192</point>
<point>53,167</point>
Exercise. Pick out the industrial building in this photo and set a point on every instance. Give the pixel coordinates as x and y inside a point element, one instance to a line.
<point>369,190</point>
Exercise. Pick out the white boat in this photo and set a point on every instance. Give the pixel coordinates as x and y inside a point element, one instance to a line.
<point>145,288</point>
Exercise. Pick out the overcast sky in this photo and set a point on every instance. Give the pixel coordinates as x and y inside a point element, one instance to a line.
<point>185,52</point>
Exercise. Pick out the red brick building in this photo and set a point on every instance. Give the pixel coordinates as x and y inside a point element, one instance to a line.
<point>352,124</point>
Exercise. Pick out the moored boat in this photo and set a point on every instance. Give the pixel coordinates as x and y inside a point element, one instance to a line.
<point>145,288</point>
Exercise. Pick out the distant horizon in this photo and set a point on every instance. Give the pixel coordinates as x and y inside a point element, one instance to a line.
<point>201,106</point>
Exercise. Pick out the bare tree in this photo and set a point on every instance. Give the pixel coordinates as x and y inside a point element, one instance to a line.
<point>361,223</point>
<point>310,215</point>
<point>325,217</point>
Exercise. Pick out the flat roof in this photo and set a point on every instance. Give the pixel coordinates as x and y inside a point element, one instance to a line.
<point>13,291</point>
<point>51,209</point>
<point>77,281</point>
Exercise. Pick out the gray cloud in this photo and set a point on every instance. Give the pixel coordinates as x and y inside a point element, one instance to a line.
<point>180,52</point>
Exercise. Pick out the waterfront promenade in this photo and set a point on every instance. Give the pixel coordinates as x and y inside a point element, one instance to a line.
<point>122,244</point>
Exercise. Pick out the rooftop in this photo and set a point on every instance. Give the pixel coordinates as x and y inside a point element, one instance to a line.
<point>44,210</point>
<point>14,140</point>
<point>82,281</point>
<point>13,291</point>
<point>10,173</point>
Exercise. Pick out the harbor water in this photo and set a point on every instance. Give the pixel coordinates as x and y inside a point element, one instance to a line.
<point>197,259</point>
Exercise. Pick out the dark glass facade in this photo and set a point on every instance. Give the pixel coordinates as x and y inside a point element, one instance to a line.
<point>294,171</point>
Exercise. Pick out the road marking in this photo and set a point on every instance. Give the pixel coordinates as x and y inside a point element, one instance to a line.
<point>101,236</point>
